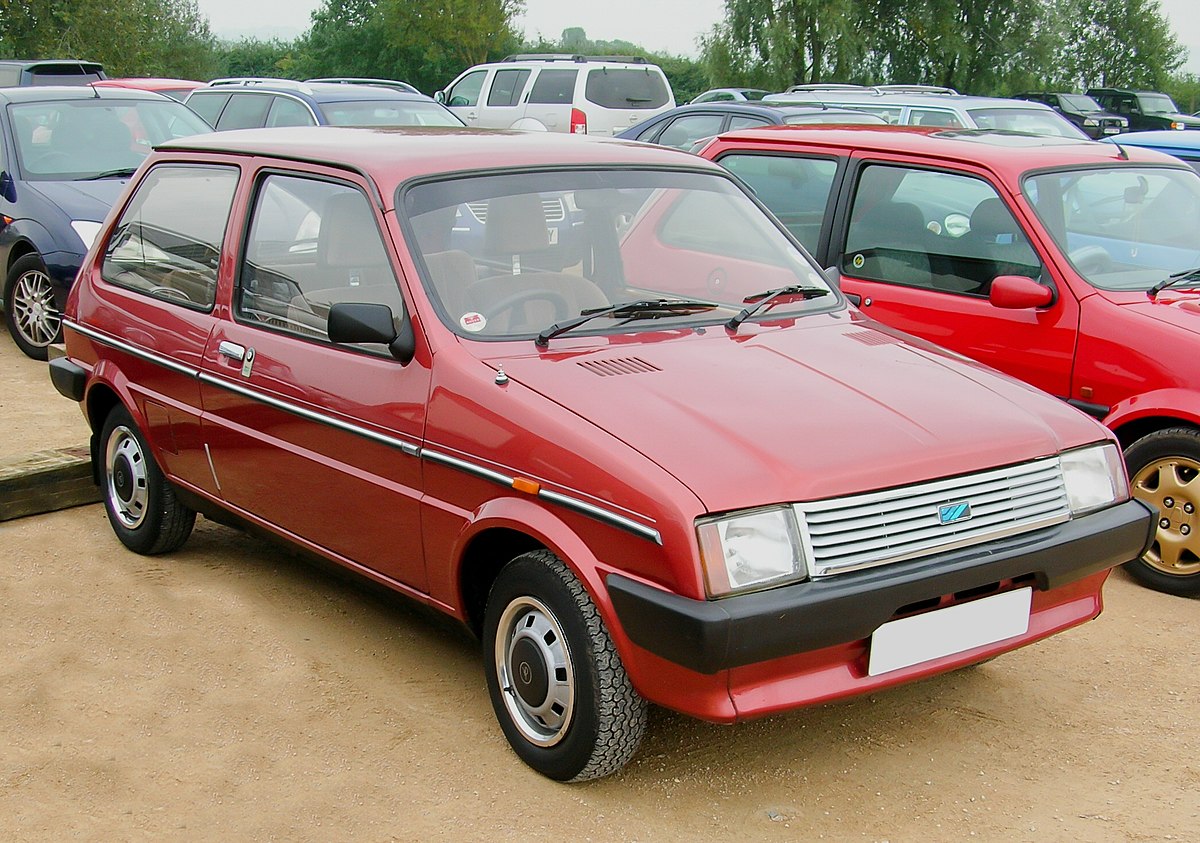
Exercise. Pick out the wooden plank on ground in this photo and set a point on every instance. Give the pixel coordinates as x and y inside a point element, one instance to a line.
<point>45,481</point>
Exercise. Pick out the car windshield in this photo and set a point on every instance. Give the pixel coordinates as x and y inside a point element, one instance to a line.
<point>1157,104</point>
<point>1122,228</point>
<point>1034,121</point>
<point>82,139</point>
<point>1080,102</point>
<point>509,256</point>
<point>388,113</point>
<point>844,118</point>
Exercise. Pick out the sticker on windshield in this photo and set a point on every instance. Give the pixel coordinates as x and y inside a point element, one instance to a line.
<point>473,322</point>
<point>858,261</point>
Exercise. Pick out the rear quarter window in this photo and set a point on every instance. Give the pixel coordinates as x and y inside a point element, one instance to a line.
<point>167,243</point>
<point>620,88</point>
<point>554,87</point>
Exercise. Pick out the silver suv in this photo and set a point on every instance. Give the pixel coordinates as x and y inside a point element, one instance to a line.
<point>599,95</point>
<point>927,105</point>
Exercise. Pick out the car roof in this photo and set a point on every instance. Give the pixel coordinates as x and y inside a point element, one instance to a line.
<point>56,93</point>
<point>394,154</point>
<point>915,98</point>
<point>51,62</point>
<point>318,92</point>
<point>146,83</point>
<point>1010,152</point>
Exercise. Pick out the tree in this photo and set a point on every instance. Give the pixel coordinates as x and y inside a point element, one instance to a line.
<point>1121,43</point>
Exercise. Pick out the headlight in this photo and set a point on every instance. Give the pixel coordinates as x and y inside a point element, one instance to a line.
<point>1091,121</point>
<point>87,231</point>
<point>1094,477</point>
<point>750,550</point>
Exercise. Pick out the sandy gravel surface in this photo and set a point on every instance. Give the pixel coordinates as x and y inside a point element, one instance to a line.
<point>231,691</point>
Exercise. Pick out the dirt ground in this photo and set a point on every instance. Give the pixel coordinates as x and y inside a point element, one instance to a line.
<point>231,691</point>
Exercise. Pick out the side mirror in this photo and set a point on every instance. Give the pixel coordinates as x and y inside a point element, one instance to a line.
<point>8,187</point>
<point>833,276</point>
<point>440,96</point>
<point>359,322</point>
<point>1016,292</point>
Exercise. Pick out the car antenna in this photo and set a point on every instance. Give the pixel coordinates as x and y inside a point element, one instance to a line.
<point>1121,153</point>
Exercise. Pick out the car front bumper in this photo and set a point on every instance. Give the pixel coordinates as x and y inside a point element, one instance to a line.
<point>709,636</point>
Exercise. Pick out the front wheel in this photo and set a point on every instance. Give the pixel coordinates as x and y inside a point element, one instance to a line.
<point>557,684</point>
<point>1164,472</point>
<point>33,318</point>
<point>141,504</point>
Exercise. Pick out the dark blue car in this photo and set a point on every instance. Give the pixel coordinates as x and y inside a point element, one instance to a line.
<point>681,127</point>
<point>66,154</point>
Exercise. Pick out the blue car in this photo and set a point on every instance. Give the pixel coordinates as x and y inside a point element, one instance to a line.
<point>1184,145</point>
<point>682,126</point>
<point>66,153</point>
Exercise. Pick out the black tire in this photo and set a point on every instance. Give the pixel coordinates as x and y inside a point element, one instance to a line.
<point>1164,471</point>
<point>141,505</point>
<point>580,718</point>
<point>30,313</point>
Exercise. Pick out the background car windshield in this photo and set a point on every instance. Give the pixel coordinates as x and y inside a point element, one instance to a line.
<point>616,88</point>
<point>1158,104</point>
<point>507,256</point>
<point>388,113</point>
<point>1124,228</point>
<point>80,139</point>
<point>1030,120</point>
<point>1080,102</point>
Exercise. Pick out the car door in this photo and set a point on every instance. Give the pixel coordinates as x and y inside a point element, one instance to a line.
<point>501,107</point>
<point>920,247</point>
<point>551,98</point>
<point>462,97</point>
<point>315,440</point>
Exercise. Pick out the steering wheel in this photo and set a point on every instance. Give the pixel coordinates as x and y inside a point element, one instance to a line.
<point>1091,259</point>
<point>562,307</point>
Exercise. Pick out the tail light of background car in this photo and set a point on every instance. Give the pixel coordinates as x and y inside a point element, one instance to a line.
<point>578,122</point>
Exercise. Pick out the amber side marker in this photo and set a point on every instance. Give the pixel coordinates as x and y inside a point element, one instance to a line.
<point>529,487</point>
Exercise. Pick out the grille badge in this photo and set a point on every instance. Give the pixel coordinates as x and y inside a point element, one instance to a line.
<point>952,513</point>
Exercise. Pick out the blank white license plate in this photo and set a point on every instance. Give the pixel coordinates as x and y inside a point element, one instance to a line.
<point>954,629</point>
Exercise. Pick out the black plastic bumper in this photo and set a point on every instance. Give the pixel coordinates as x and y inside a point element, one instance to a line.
<point>710,636</point>
<point>70,379</point>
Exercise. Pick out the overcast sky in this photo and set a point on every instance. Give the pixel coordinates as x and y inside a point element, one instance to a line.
<point>662,25</point>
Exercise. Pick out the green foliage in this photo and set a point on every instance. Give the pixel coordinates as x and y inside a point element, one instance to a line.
<point>1118,43</point>
<point>253,57</point>
<point>1184,88</point>
<point>129,37</point>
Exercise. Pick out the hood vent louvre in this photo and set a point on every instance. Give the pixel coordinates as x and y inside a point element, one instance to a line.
<point>618,366</point>
<point>873,338</point>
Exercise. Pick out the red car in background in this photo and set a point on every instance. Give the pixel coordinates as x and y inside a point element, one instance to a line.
<point>1072,265</point>
<point>176,89</point>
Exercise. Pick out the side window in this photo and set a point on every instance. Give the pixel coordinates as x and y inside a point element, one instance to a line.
<point>167,242</point>
<point>741,122</point>
<point>208,105</point>
<point>312,244</point>
<point>286,111</point>
<point>942,231</point>
<point>795,189</point>
<point>934,117</point>
<point>507,87</point>
<point>466,91</point>
<point>686,130</point>
<point>245,111</point>
<point>554,87</point>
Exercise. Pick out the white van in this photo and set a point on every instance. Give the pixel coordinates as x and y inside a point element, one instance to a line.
<point>600,95</point>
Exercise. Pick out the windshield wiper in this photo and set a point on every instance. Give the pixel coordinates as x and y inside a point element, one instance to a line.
<point>640,309</point>
<point>760,300</point>
<point>123,172</point>
<point>1174,279</point>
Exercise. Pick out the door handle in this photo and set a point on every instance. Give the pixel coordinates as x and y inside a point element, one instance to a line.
<point>231,350</point>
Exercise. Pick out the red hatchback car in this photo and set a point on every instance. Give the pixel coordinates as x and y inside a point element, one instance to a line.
<point>659,460</point>
<point>1071,265</point>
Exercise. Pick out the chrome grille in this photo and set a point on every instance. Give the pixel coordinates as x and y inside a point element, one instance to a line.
<point>878,528</point>
<point>552,209</point>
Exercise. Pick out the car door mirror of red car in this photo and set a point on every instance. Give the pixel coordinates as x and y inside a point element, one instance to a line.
<point>1017,292</point>
<point>360,322</point>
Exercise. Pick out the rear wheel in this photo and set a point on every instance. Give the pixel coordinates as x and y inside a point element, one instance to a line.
<point>1164,471</point>
<point>33,318</point>
<point>557,684</point>
<point>141,505</point>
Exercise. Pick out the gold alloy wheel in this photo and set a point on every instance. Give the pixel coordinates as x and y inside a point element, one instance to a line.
<point>1172,486</point>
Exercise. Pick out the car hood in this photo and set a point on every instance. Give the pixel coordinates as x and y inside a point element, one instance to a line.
<point>802,413</point>
<point>82,200</point>
<point>1180,308</point>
